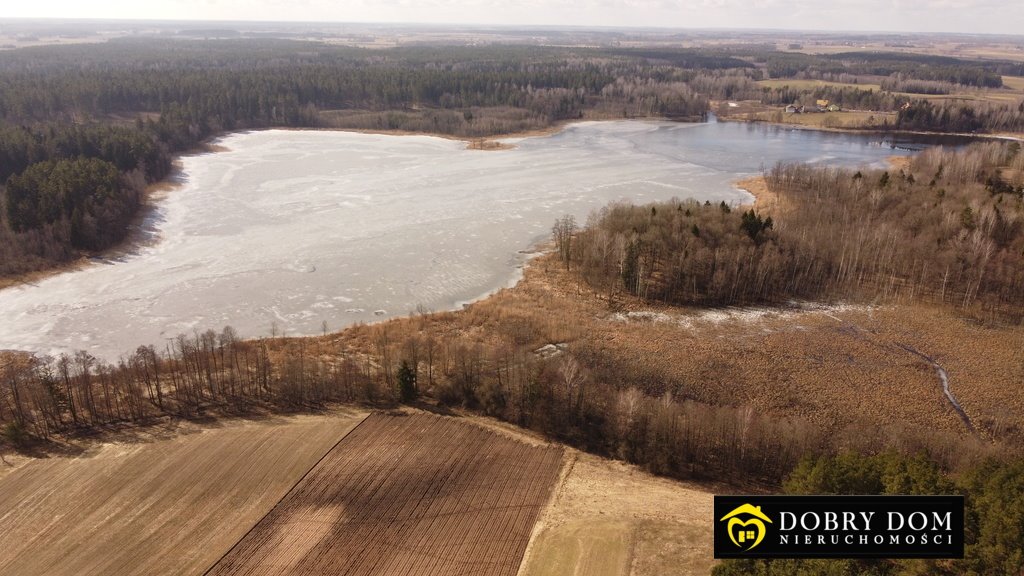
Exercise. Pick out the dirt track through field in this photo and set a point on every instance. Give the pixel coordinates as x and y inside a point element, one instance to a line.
<point>404,494</point>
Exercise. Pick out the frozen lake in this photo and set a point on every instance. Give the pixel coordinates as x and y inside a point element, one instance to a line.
<point>298,228</point>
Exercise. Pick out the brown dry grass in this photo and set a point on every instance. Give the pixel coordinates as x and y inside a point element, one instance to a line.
<point>764,199</point>
<point>172,505</point>
<point>406,493</point>
<point>840,367</point>
<point>899,162</point>
<point>999,50</point>
<point>610,518</point>
<point>484,144</point>
<point>845,120</point>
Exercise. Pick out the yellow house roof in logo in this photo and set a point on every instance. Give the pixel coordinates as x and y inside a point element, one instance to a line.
<point>747,509</point>
<point>758,520</point>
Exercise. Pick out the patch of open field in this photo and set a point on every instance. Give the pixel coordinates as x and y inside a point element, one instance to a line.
<point>972,49</point>
<point>406,494</point>
<point>168,506</point>
<point>798,84</point>
<point>826,120</point>
<point>1014,82</point>
<point>988,95</point>
<point>612,519</point>
<point>1012,93</point>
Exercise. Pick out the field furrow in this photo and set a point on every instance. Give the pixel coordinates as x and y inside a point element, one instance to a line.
<point>406,494</point>
<point>165,506</point>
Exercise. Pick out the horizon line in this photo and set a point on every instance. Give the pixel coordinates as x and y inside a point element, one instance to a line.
<point>507,26</point>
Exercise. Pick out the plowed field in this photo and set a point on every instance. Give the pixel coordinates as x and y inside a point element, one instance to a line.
<point>167,506</point>
<point>409,494</point>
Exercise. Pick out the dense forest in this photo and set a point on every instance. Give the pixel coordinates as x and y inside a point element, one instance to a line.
<point>961,117</point>
<point>976,73</point>
<point>949,229</point>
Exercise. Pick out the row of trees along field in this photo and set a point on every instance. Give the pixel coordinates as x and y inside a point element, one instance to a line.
<point>948,229</point>
<point>556,395</point>
<point>994,515</point>
<point>218,373</point>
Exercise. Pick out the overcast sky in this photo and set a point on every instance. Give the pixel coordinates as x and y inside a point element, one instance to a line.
<point>987,16</point>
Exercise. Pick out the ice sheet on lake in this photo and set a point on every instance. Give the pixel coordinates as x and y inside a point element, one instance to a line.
<point>298,228</point>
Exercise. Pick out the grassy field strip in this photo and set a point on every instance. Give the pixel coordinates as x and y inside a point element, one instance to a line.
<point>811,84</point>
<point>170,506</point>
<point>1014,82</point>
<point>611,519</point>
<point>585,548</point>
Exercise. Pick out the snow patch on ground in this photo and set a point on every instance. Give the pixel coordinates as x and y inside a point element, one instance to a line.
<point>736,315</point>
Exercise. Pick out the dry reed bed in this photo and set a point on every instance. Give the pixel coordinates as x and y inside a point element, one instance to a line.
<point>839,367</point>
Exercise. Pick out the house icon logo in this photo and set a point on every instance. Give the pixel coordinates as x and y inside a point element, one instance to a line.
<point>746,526</point>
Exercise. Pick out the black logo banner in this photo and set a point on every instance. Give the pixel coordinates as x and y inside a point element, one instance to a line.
<point>839,526</point>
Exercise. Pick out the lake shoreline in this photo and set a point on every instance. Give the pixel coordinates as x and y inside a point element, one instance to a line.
<point>873,131</point>
<point>136,236</point>
<point>389,227</point>
<point>155,192</point>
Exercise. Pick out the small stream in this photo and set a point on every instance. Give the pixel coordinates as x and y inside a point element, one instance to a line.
<point>944,377</point>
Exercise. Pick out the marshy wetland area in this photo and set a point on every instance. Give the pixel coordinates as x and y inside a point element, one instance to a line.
<point>361,299</point>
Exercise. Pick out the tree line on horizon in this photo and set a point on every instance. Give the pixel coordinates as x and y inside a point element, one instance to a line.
<point>136,104</point>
